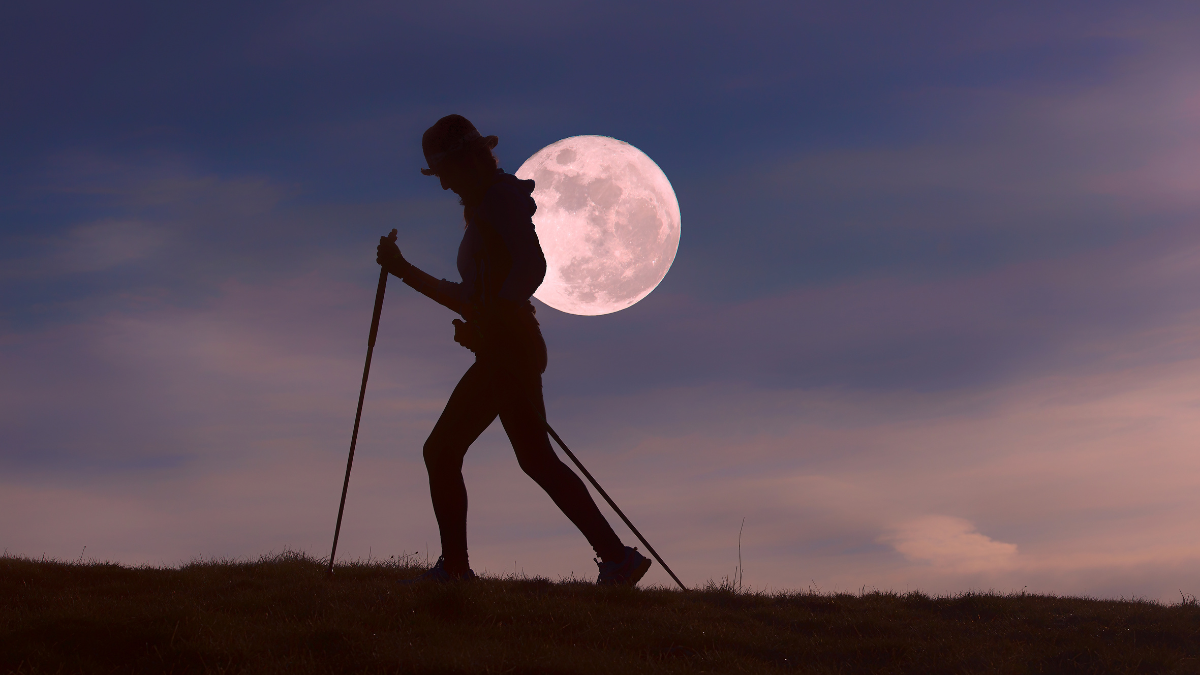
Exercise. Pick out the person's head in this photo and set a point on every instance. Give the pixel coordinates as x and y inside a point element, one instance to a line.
<point>458,155</point>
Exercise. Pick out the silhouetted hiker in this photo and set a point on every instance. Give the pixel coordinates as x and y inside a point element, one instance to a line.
<point>501,264</point>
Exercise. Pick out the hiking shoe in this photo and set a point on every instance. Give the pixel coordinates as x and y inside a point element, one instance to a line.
<point>438,575</point>
<point>625,573</point>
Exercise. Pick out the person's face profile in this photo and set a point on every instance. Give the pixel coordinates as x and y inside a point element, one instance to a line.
<point>450,173</point>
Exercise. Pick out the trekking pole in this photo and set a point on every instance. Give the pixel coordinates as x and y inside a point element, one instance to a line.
<point>362,393</point>
<point>606,497</point>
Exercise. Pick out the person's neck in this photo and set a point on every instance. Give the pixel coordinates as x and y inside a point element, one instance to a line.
<point>479,187</point>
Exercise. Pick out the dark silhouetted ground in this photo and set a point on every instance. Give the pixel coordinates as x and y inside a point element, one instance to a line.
<point>280,615</point>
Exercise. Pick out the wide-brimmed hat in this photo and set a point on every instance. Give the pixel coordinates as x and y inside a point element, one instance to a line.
<point>450,136</point>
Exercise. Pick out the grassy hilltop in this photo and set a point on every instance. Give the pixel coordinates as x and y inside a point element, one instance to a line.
<point>280,615</point>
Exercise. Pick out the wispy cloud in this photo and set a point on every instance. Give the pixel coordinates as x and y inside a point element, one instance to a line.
<point>950,543</point>
<point>91,247</point>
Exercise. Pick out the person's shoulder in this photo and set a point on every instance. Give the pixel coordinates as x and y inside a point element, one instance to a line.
<point>509,194</point>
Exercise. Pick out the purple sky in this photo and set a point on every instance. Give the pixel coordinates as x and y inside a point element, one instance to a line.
<point>934,322</point>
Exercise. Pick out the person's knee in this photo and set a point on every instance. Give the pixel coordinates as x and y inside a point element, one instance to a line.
<point>541,469</point>
<point>439,455</point>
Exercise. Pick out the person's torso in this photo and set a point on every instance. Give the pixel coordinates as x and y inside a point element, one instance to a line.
<point>484,261</point>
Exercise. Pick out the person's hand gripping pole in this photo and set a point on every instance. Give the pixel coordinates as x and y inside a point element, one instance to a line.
<point>388,255</point>
<point>387,263</point>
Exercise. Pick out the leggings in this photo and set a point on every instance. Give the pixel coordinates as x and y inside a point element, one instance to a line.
<point>483,393</point>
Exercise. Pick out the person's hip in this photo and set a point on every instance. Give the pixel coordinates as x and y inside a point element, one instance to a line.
<point>515,344</point>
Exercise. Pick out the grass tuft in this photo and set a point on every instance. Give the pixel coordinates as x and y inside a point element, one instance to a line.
<point>280,614</point>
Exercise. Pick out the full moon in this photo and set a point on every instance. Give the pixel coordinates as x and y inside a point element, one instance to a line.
<point>608,222</point>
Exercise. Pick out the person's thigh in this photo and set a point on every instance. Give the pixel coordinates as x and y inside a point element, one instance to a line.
<point>470,410</point>
<point>521,411</point>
